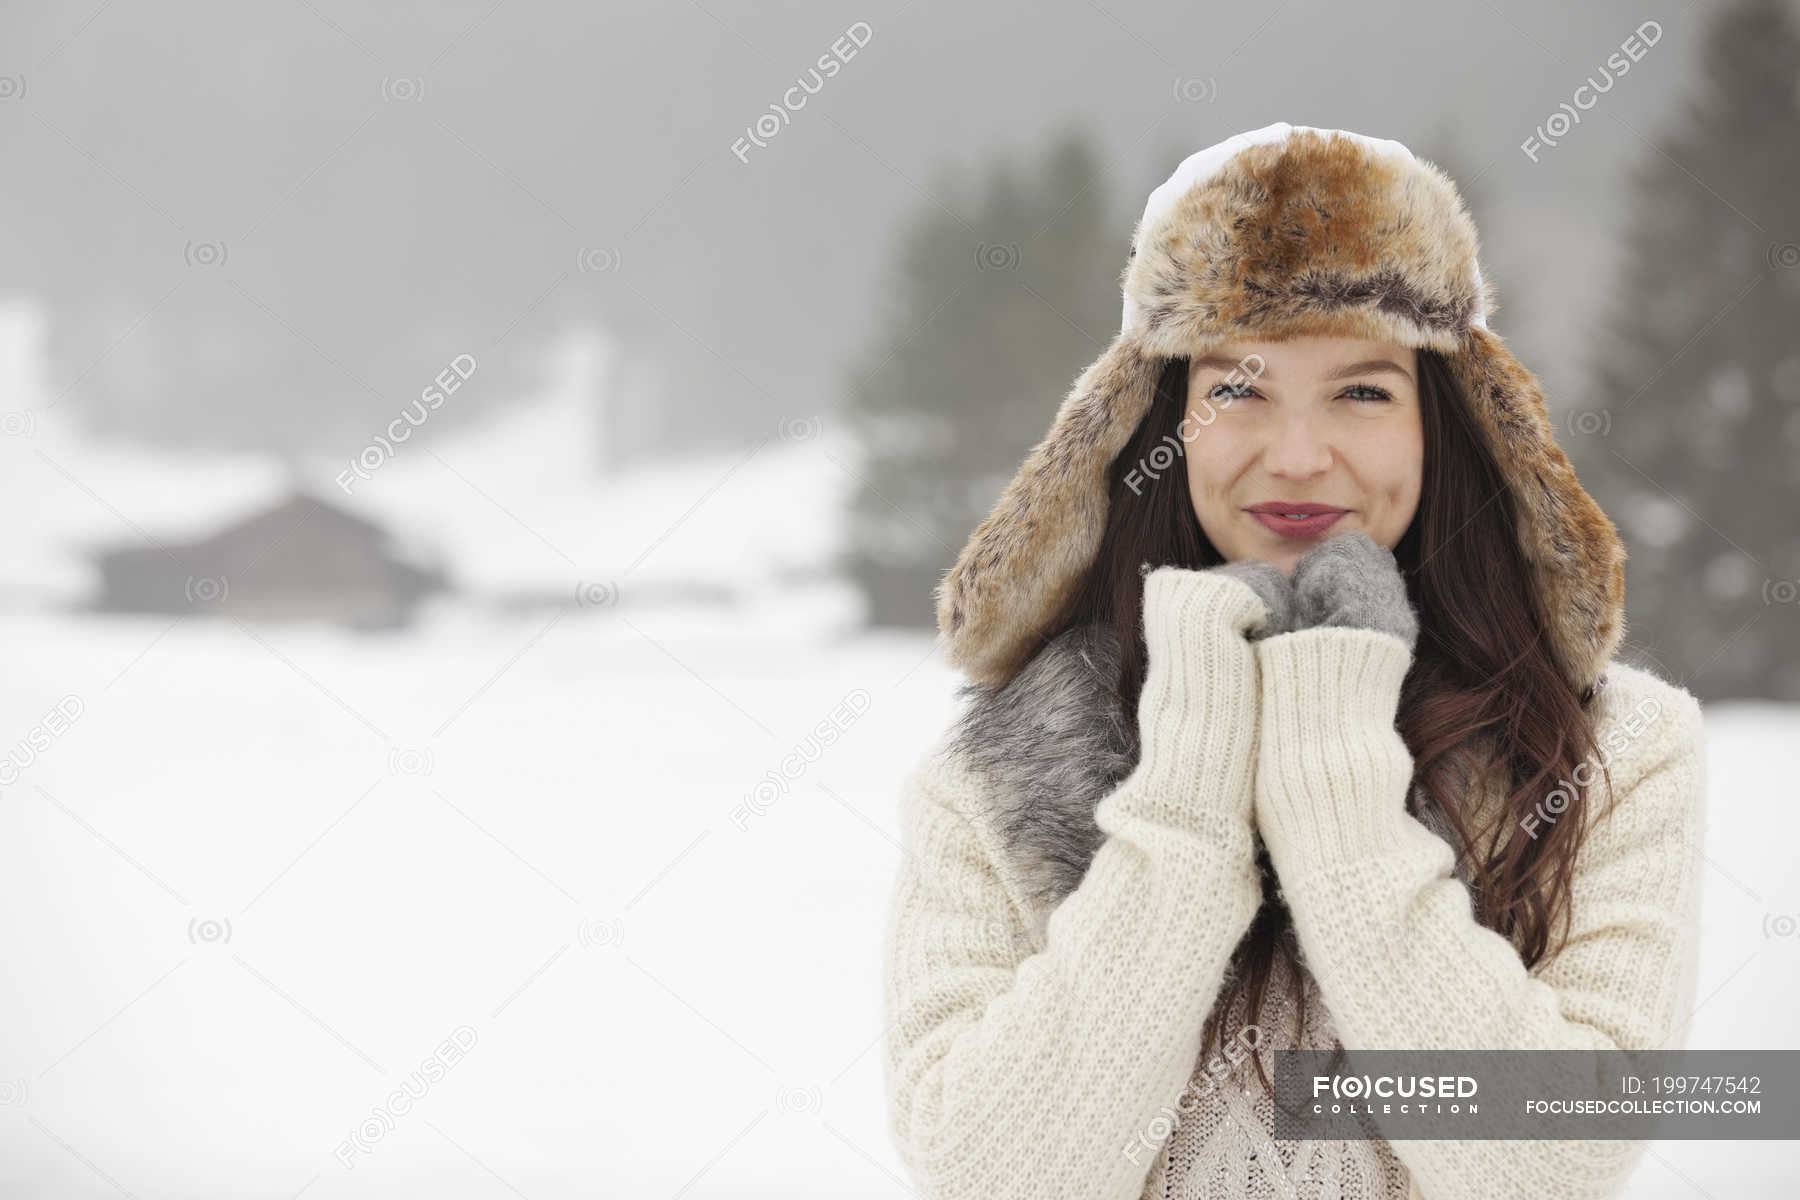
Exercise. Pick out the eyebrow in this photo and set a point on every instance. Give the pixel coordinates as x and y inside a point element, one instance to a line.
<point>1371,366</point>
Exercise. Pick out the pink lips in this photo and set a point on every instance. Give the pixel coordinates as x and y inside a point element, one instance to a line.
<point>1312,519</point>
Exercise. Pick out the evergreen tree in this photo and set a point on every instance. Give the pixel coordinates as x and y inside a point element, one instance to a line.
<point>1693,437</point>
<point>989,323</point>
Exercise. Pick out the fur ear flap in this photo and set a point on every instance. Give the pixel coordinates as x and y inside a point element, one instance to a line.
<point>1022,564</point>
<point>1570,545</point>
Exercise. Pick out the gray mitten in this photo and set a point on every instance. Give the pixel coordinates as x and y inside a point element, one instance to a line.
<point>1351,580</point>
<point>1271,584</point>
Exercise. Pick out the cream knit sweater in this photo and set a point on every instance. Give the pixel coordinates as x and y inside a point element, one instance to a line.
<point>1034,1054</point>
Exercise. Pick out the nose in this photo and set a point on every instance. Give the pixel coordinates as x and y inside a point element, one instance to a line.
<point>1298,447</point>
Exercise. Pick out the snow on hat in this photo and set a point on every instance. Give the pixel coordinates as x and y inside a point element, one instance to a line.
<point>1282,232</point>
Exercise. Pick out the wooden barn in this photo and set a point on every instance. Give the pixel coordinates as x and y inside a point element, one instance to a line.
<point>301,559</point>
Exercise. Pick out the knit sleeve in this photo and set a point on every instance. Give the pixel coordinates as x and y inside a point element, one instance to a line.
<point>1023,1070</point>
<point>1391,935</point>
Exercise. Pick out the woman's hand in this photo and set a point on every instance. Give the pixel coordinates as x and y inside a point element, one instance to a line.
<point>1197,709</point>
<point>1271,586</point>
<point>1333,771</point>
<point>1350,580</point>
<point>1268,581</point>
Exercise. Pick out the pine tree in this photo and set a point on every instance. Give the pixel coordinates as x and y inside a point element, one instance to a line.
<point>1693,438</point>
<point>990,321</point>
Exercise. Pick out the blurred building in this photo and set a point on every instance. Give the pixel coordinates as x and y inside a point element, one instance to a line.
<point>299,559</point>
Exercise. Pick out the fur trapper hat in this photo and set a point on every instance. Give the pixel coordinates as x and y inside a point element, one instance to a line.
<point>1283,232</point>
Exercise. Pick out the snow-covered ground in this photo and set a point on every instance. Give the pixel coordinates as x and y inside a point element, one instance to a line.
<point>252,886</point>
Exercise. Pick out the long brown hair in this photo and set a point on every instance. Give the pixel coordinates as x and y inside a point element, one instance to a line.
<point>1484,680</point>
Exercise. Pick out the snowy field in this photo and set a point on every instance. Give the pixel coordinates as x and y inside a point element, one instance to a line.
<point>254,885</point>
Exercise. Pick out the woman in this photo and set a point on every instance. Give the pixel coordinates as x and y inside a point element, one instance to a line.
<point>1293,721</point>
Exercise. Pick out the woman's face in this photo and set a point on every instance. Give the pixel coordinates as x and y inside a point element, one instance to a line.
<point>1327,426</point>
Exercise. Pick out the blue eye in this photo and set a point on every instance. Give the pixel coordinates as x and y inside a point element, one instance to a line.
<point>1236,391</point>
<point>1373,393</point>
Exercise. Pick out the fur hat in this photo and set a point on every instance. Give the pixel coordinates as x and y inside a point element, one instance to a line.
<point>1283,232</point>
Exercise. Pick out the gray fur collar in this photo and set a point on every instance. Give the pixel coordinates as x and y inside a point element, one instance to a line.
<point>1051,744</point>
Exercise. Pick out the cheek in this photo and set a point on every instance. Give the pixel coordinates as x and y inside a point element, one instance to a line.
<point>1213,461</point>
<point>1401,476</point>
<point>1415,472</point>
<point>1216,461</point>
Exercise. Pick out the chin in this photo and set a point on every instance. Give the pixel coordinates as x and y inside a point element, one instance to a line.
<point>1285,552</point>
<point>1286,559</point>
<point>1284,555</point>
